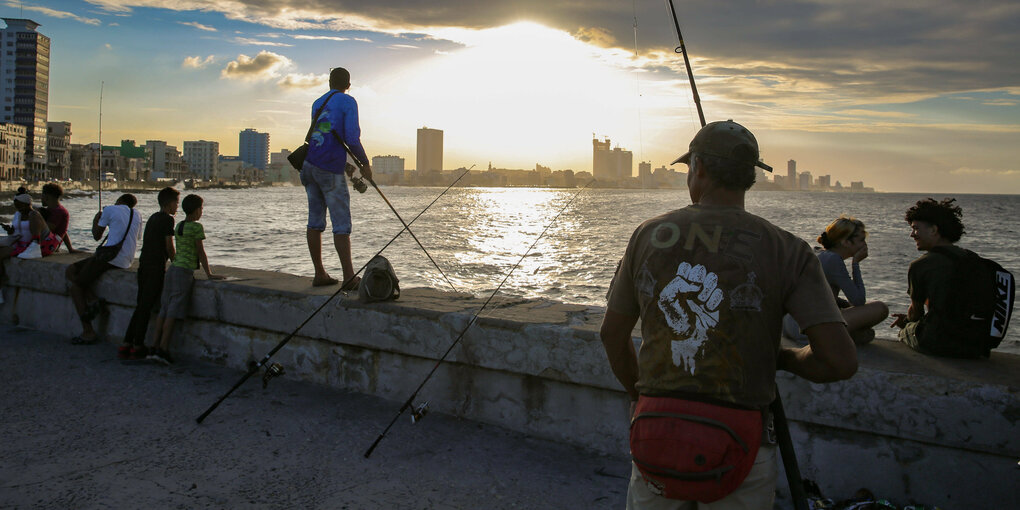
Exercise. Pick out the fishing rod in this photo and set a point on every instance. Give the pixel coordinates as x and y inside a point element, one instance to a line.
<point>786,449</point>
<point>361,166</point>
<point>276,368</point>
<point>101,85</point>
<point>420,411</point>
<point>682,49</point>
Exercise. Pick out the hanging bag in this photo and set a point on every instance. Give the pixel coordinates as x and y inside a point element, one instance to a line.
<point>693,451</point>
<point>297,158</point>
<point>107,253</point>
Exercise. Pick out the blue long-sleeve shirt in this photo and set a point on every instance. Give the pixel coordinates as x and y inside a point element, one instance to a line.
<point>839,279</point>
<point>340,116</point>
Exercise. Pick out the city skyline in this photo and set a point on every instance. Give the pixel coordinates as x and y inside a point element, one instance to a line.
<point>931,109</point>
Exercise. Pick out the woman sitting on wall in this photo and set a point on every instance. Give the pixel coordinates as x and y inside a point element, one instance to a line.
<point>56,216</point>
<point>845,238</point>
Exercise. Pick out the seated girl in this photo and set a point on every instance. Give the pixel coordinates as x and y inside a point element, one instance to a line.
<point>845,238</point>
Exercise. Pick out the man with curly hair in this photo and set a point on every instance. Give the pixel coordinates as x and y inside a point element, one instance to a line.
<point>934,226</point>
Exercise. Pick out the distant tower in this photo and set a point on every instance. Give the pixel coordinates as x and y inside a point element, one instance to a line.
<point>611,165</point>
<point>25,78</point>
<point>791,174</point>
<point>430,150</point>
<point>253,148</point>
<point>202,157</point>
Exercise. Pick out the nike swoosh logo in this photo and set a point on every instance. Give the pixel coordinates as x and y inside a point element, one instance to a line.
<point>976,318</point>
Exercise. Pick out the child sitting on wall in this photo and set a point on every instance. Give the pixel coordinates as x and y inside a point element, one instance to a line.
<point>181,277</point>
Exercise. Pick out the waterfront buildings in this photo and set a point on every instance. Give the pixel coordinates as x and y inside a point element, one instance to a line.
<point>791,174</point>
<point>12,150</point>
<point>611,166</point>
<point>393,165</point>
<point>165,161</point>
<point>253,148</point>
<point>430,150</point>
<point>25,78</point>
<point>58,147</point>
<point>804,181</point>
<point>202,157</point>
<point>236,170</point>
<point>281,157</point>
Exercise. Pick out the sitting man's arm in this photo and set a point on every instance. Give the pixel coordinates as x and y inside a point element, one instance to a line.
<point>619,344</point>
<point>97,230</point>
<point>829,356</point>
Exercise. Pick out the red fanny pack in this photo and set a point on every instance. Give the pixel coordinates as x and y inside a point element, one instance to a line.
<point>693,451</point>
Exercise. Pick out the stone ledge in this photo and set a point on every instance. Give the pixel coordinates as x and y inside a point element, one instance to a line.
<point>538,367</point>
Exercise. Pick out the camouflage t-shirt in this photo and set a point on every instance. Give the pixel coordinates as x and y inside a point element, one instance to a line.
<point>186,236</point>
<point>711,285</point>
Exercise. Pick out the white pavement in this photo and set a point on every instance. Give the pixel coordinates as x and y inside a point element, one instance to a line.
<point>81,429</point>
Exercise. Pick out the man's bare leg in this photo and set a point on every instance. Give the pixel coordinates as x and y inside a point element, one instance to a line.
<point>342,242</point>
<point>314,238</point>
<point>79,297</point>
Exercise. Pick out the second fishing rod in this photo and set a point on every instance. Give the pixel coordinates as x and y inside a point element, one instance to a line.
<point>276,369</point>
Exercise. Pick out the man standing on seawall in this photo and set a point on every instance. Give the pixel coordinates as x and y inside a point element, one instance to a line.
<point>323,174</point>
<point>711,283</point>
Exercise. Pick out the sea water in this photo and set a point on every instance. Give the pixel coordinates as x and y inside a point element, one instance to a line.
<point>476,235</point>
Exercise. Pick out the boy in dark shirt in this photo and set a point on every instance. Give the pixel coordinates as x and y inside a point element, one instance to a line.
<point>180,278</point>
<point>157,247</point>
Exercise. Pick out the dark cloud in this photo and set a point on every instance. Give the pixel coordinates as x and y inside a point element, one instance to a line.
<point>899,48</point>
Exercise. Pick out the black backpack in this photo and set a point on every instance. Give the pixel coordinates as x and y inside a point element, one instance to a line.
<point>982,300</point>
<point>380,282</point>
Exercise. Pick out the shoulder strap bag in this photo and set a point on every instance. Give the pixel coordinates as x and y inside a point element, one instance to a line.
<point>297,158</point>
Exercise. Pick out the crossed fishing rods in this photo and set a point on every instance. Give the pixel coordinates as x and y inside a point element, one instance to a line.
<point>422,409</point>
<point>786,449</point>
<point>276,369</point>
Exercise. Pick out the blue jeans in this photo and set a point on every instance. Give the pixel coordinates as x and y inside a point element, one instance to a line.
<point>326,190</point>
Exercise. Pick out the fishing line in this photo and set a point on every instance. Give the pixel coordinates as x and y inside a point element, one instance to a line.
<point>637,81</point>
<point>409,231</point>
<point>424,407</point>
<point>786,450</point>
<point>253,369</point>
<point>101,85</point>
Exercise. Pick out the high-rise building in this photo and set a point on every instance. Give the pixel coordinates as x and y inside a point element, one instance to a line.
<point>202,157</point>
<point>58,149</point>
<point>164,160</point>
<point>253,148</point>
<point>611,165</point>
<point>25,78</point>
<point>430,150</point>
<point>791,174</point>
<point>805,180</point>
<point>824,181</point>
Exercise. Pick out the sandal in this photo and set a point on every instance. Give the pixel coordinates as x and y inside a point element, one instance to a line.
<point>353,284</point>
<point>325,283</point>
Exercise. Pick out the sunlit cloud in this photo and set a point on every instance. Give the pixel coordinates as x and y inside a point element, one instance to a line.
<point>197,62</point>
<point>53,13</point>
<point>595,35</point>
<point>873,113</point>
<point>198,25</point>
<point>321,38</point>
<point>303,81</point>
<point>256,42</point>
<point>266,65</point>
<point>402,47</point>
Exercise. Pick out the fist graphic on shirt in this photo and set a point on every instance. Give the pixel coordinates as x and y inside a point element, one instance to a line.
<point>690,304</point>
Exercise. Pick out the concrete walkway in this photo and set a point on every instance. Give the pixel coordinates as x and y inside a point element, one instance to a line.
<point>81,429</point>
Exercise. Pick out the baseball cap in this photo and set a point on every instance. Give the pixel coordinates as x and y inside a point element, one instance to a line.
<point>725,139</point>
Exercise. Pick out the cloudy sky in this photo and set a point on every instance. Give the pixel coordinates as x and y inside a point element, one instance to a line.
<point>911,95</point>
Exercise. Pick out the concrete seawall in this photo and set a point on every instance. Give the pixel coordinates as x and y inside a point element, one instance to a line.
<point>908,427</point>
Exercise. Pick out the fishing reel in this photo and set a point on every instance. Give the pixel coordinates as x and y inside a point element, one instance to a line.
<point>358,182</point>
<point>274,370</point>
<point>419,412</point>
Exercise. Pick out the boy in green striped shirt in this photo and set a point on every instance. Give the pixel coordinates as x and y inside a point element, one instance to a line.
<point>181,277</point>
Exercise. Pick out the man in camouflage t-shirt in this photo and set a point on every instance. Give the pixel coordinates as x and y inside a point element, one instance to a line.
<point>711,283</point>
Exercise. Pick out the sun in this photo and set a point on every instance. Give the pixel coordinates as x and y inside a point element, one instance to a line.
<point>518,95</point>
